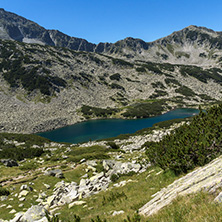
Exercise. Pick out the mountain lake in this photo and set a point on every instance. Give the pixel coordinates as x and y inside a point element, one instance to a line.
<point>106,128</point>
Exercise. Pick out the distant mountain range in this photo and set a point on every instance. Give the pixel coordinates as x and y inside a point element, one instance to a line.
<point>191,45</point>
<point>61,80</point>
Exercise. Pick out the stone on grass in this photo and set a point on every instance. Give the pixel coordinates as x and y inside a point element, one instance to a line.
<point>218,199</point>
<point>34,214</point>
<point>26,187</point>
<point>117,212</point>
<point>80,202</point>
<point>55,173</point>
<point>23,193</point>
<point>22,199</point>
<point>17,217</point>
<point>47,186</point>
<point>12,211</point>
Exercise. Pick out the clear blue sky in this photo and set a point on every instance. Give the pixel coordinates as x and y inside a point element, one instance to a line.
<point>112,20</point>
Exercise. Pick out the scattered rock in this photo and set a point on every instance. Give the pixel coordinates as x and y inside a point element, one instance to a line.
<point>26,187</point>
<point>80,202</point>
<point>3,198</point>
<point>23,193</point>
<point>55,173</point>
<point>34,214</point>
<point>47,186</point>
<point>12,211</point>
<point>118,212</point>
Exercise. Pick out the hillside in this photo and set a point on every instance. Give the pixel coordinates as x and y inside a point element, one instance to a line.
<point>113,180</point>
<point>43,87</point>
<point>60,80</point>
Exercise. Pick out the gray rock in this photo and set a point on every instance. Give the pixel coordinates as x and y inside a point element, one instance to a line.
<point>13,211</point>
<point>218,199</point>
<point>118,212</point>
<point>203,178</point>
<point>17,217</point>
<point>80,202</point>
<point>26,187</point>
<point>55,173</point>
<point>3,198</point>
<point>34,214</point>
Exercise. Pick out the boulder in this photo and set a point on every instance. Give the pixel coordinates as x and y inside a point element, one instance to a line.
<point>23,193</point>
<point>80,202</point>
<point>26,187</point>
<point>55,173</point>
<point>17,217</point>
<point>13,211</point>
<point>34,214</point>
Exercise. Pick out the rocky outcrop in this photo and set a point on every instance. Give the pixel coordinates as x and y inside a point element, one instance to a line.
<point>207,178</point>
<point>69,193</point>
<point>33,214</point>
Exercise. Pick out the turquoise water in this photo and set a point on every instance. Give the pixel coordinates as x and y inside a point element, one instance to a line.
<point>101,129</point>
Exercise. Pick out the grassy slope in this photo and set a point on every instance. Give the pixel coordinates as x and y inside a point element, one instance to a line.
<point>132,196</point>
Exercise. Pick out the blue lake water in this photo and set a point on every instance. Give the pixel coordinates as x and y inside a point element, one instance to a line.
<point>101,129</point>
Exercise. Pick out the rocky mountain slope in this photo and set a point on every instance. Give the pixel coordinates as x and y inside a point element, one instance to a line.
<point>46,87</point>
<point>63,80</point>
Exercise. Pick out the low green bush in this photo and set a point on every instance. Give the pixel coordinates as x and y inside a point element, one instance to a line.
<point>115,76</point>
<point>18,153</point>
<point>4,191</point>
<point>144,110</point>
<point>184,90</point>
<point>190,145</point>
<point>112,145</point>
<point>28,166</point>
<point>158,84</point>
<point>117,86</point>
<point>99,112</point>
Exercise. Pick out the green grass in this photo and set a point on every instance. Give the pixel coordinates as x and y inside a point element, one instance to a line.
<point>89,153</point>
<point>194,207</point>
<point>144,110</point>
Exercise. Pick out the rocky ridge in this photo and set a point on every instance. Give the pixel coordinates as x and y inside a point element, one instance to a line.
<point>192,45</point>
